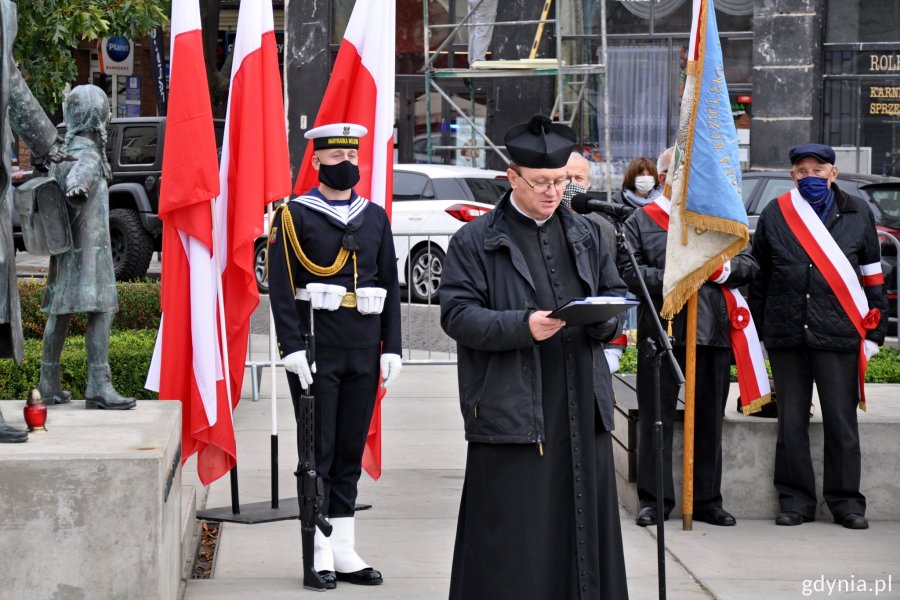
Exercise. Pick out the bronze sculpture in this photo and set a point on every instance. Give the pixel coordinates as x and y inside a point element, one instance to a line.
<point>20,111</point>
<point>82,279</point>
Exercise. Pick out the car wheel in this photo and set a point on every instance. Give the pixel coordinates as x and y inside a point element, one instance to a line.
<point>130,243</point>
<point>424,273</point>
<point>259,266</point>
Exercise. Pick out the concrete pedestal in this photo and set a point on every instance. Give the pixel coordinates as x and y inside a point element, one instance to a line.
<point>92,508</point>
<point>748,455</point>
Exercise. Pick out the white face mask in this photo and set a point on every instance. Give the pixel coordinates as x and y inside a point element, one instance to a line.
<point>643,184</point>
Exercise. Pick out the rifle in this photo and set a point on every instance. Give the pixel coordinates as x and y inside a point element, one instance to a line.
<point>310,487</point>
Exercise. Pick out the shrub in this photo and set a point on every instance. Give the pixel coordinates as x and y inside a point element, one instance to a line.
<point>129,360</point>
<point>138,308</point>
<point>883,368</point>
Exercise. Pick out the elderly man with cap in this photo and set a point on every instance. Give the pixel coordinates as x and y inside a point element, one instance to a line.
<point>334,249</point>
<point>820,306</point>
<point>539,516</point>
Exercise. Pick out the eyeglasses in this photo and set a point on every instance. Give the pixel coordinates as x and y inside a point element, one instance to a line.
<point>543,188</point>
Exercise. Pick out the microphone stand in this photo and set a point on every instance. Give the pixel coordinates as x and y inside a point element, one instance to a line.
<point>654,348</point>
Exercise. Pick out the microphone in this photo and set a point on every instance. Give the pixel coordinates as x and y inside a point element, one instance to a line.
<point>585,203</point>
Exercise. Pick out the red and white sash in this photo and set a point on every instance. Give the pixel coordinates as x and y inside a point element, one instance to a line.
<point>832,263</point>
<point>753,381</point>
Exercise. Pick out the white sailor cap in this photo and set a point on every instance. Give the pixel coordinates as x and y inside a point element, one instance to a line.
<point>336,135</point>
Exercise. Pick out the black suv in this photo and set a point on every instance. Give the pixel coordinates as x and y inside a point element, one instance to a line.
<point>134,149</point>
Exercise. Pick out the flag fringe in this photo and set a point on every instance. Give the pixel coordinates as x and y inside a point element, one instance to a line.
<point>756,405</point>
<point>676,299</point>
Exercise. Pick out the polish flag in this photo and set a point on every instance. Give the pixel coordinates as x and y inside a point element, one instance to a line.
<point>254,171</point>
<point>187,360</point>
<point>361,90</point>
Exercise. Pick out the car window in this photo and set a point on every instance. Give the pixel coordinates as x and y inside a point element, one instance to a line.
<point>138,145</point>
<point>747,187</point>
<point>411,186</point>
<point>486,190</point>
<point>773,189</point>
<point>887,199</point>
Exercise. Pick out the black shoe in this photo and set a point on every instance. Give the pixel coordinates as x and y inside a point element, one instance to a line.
<point>791,518</point>
<point>647,516</point>
<point>367,576</point>
<point>715,515</point>
<point>112,403</point>
<point>329,578</point>
<point>853,521</point>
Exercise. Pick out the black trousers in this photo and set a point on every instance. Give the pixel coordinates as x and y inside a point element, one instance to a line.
<point>835,376</point>
<point>711,393</point>
<point>344,386</point>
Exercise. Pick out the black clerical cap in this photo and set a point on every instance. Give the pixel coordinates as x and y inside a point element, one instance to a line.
<point>540,143</point>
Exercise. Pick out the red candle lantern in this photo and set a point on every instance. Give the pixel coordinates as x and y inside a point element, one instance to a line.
<point>35,412</point>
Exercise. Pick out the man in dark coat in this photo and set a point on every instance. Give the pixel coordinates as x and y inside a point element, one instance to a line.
<point>817,248</point>
<point>332,244</point>
<point>647,234</point>
<point>539,515</point>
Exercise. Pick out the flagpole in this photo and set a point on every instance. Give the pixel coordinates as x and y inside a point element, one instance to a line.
<point>272,384</point>
<point>690,380</point>
<point>220,305</point>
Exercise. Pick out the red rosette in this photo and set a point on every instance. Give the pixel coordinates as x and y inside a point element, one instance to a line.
<point>872,319</point>
<point>740,318</point>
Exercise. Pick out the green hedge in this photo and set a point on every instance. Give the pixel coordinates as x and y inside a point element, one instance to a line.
<point>138,308</point>
<point>129,360</point>
<point>883,368</point>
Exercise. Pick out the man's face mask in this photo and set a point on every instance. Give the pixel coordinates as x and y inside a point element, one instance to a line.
<point>571,189</point>
<point>342,176</point>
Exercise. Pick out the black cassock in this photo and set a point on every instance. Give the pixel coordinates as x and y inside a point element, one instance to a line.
<point>535,527</point>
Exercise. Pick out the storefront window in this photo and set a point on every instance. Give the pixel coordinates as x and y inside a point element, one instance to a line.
<point>862,21</point>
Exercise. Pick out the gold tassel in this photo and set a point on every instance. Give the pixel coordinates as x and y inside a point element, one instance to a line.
<point>291,234</point>
<point>756,405</point>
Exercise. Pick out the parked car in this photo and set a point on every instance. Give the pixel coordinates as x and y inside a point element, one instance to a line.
<point>881,193</point>
<point>430,202</point>
<point>134,148</point>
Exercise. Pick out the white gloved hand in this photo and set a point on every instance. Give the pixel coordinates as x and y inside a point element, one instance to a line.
<point>296,363</point>
<point>870,348</point>
<point>390,368</point>
<point>612,358</point>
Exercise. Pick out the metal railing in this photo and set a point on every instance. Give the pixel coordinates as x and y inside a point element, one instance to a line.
<point>893,240</point>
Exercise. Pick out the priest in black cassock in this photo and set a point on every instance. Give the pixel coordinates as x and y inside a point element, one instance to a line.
<point>539,515</point>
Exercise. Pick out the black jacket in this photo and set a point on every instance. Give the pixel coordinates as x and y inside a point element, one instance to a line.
<point>648,241</point>
<point>487,295</point>
<point>791,302</point>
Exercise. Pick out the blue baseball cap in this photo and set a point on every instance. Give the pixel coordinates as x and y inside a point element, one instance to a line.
<point>820,152</point>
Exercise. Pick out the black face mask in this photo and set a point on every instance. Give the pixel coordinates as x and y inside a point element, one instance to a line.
<point>341,176</point>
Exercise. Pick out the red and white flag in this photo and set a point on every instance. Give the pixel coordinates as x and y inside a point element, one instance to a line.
<point>187,360</point>
<point>255,170</point>
<point>361,90</point>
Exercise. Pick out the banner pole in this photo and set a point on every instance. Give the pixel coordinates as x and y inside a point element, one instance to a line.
<point>690,379</point>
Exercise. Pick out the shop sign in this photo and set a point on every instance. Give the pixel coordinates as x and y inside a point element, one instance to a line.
<point>116,56</point>
<point>884,99</point>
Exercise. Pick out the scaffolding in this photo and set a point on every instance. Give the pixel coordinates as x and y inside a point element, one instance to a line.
<point>573,79</point>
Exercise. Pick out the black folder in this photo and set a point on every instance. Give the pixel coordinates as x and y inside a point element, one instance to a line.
<point>593,309</point>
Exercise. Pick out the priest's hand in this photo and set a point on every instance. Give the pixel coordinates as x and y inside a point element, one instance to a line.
<point>543,327</point>
<point>390,368</point>
<point>297,364</point>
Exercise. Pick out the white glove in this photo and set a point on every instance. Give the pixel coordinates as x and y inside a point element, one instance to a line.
<point>612,358</point>
<point>390,368</point>
<point>295,362</point>
<point>870,348</point>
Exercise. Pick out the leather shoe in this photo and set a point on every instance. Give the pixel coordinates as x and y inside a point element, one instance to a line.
<point>647,516</point>
<point>791,518</point>
<point>367,576</point>
<point>853,521</point>
<point>329,578</point>
<point>715,515</point>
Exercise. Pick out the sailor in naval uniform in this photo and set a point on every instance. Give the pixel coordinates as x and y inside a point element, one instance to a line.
<point>334,249</point>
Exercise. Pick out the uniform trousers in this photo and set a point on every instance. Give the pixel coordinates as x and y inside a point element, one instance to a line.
<point>344,387</point>
<point>711,393</point>
<point>835,375</point>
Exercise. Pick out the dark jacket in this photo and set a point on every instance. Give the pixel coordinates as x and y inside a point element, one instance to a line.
<point>648,241</point>
<point>487,295</point>
<point>791,302</point>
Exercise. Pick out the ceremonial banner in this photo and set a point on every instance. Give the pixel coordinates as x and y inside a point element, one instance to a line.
<point>708,218</point>
<point>187,360</point>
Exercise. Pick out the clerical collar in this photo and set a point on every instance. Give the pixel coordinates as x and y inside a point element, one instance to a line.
<point>512,201</point>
